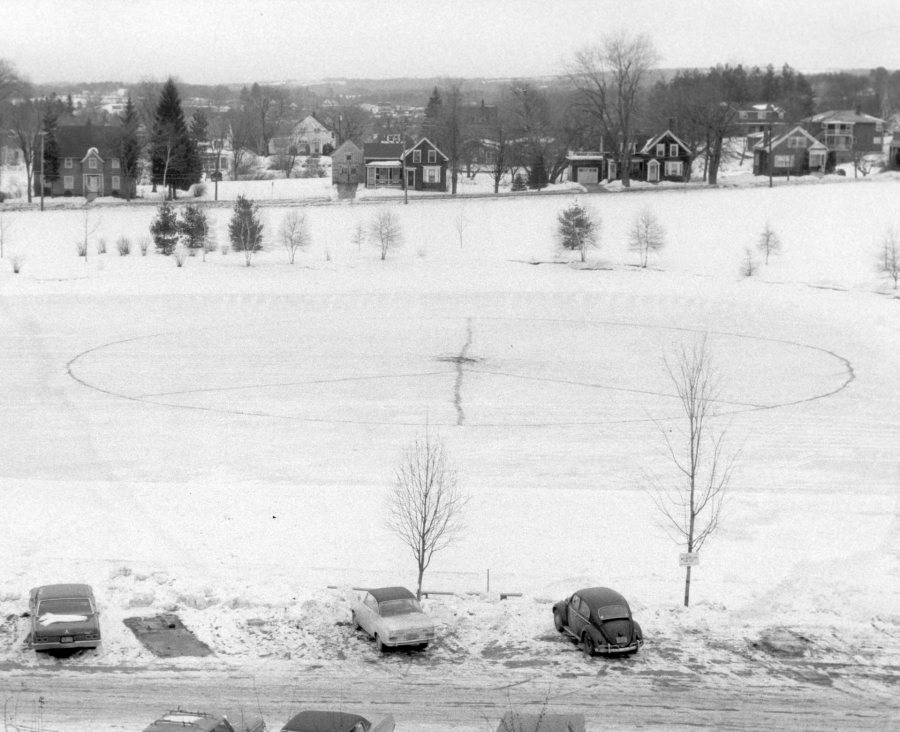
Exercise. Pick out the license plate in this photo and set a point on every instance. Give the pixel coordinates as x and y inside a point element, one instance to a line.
<point>66,639</point>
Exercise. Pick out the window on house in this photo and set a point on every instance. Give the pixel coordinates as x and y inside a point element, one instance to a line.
<point>674,168</point>
<point>432,156</point>
<point>68,182</point>
<point>417,156</point>
<point>115,163</point>
<point>661,150</point>
<point>69,163</point>
<point>673,150</point>
<point>349,158</point>
<point>92,163</point>
<point>784,161</point>
<point>742,115</point>
<point>115,183</point>
<point>797,141</point>
<point>760,115</point>
<point>432,174</point>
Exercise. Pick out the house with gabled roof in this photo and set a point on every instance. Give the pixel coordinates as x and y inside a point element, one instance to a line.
<point>347,164</point>
<point>796,152</point>
<point>308,137</point>
<point>848,133</point>
<point>662,157</point>
<point>89,162</point>
<point>425,166</point>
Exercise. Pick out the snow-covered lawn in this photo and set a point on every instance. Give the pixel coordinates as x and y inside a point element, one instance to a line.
<point>218,440</point>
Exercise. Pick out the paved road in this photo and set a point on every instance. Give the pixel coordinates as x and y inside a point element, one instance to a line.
<point>610,695</point>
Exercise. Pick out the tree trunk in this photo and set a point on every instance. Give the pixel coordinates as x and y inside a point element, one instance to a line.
<point>419,583</point>
<point>687,586</point>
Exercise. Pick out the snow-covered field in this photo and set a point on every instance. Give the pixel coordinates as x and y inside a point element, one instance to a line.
<point>218,440</point>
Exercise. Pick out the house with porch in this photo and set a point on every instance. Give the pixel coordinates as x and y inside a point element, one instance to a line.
<point>849,134</point>
<point>383,163</point>
<point>347,164</point>
<point>797,152</point>
<point>89,162</point>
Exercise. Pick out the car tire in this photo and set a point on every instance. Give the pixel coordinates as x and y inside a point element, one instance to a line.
<point>587,644</point>
<point>380,647</point>
<point>558,623</point>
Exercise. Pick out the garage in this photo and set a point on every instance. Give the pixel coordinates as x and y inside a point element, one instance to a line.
<point>588,175</point>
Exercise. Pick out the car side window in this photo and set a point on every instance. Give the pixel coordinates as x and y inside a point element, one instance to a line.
<point>576,603</point>
<point>371,604</point>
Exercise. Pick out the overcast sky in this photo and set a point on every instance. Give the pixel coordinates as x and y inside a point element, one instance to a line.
<point>221,41</point>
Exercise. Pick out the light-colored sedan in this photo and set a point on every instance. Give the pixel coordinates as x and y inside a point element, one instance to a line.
<point>393,617</point>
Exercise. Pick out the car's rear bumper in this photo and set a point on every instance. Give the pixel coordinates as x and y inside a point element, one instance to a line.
<point>59,646</point>
<point>409,641</point>
<point>608,650</point>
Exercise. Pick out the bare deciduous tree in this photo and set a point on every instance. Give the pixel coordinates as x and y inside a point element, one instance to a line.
<point>359,235</point>
<point>426,504</point>
<point>385,231</point>
<point>609,79</point>
<point>748,263</point>
<point>89,225</point>
<point>646,235</point>
<point>692,503</point>
<point>889,257</point>
<point>294,233</point>
<point>25,127</point>
<point>769,242</point>
<point>460,223</point>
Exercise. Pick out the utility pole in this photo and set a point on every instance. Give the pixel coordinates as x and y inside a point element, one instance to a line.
<point>405,183</point>
<point>43,137</point>
<point>771,161</point>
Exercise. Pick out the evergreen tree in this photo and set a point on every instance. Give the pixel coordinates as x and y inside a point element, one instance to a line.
<point>130,152</point>
<point>51,144</point>
<point>193,228</point>
<point>173,154</point>
<point>433,114</point>
<point>199,126</point>
<point>537,176</point>
<point>245,228</point>
<point>576,229</point>
<point>518,183</point>
<point>164,228</point>
<point>70,105</point>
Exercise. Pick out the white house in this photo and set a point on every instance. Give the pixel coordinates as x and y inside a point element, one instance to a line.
<point>308,137</point>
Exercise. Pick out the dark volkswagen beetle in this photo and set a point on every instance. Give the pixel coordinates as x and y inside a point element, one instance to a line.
<point>599,618</point>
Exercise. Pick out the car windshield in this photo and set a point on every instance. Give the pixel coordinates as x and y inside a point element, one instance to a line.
<point>389,608</point>
<point>65,606</point>
<point>612,612</point>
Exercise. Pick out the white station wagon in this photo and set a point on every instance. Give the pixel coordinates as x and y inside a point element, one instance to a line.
<point>393,617</point>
